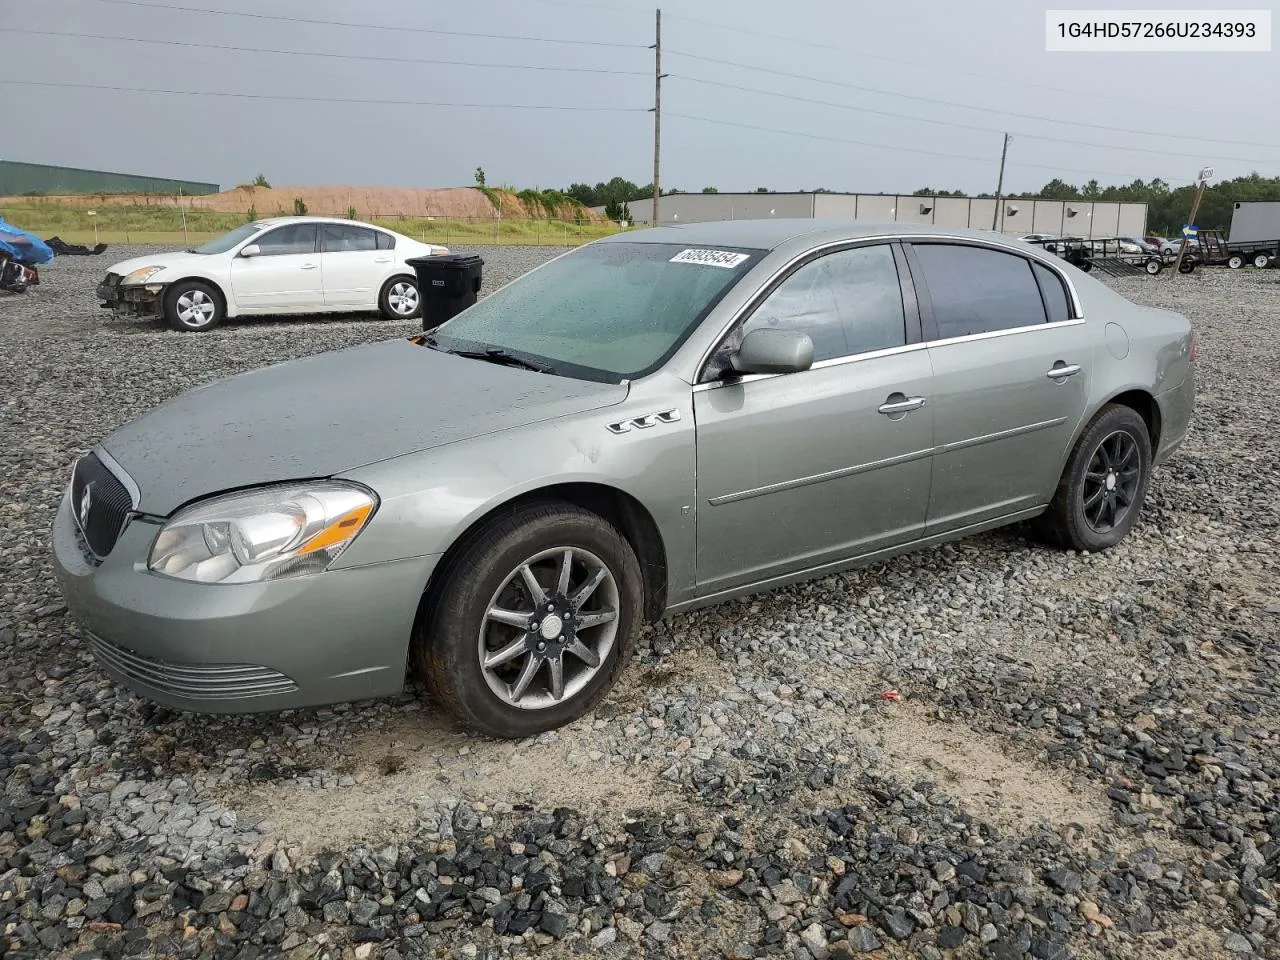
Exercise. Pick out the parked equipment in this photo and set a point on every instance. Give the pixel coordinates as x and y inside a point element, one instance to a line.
<point>20,253</point>
<point>447,284</point>
<point>1122,257</point>
<point>1074,250</point>
<point>1216,251</point>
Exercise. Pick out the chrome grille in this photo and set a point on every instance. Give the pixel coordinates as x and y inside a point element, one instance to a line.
<point>211,681</point>
<point>100,503</point>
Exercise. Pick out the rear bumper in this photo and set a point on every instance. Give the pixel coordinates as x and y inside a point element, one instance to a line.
<point>240,648</point>
<point>1176,408</point>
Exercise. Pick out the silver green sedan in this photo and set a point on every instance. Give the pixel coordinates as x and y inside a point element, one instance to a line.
<point>650,423</point>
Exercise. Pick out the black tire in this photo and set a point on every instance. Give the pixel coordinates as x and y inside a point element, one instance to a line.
<point>1153,266</point>
<point>1086,266</point>
<point>391,299</point>
<point>1067,522</point>
<point>1235,261</point>
<point>1187,266</point>
<point>193,306</point>
<point>1260,260</point>
<point>446,646</point>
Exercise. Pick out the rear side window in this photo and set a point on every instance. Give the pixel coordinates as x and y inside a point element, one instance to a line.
<point>1054,293</point>
<point>386,241</point>
<point>976,290</point>
<point>339,238</point>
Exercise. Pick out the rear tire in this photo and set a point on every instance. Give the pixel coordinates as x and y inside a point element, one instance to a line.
<point>1103,485</point>
<point>1260,260</point>
<point>1235,261</point>
<point>193,306</point>
<point>1153,266</point>
<point>491,650</point>
<point>400,299</point>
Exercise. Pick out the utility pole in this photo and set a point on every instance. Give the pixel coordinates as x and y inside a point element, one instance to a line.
<point>1004,152</point>
<point>657,113</point>
<point>1202,182</point>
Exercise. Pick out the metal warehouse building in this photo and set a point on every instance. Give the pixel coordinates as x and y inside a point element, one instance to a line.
<point>1017,216</point>
<point>27,179</point>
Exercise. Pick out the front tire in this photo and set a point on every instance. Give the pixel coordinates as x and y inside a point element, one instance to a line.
<point>1154,266</point>
<point>399,299</point>
<point>534,618</point>
<point>1235,261</point>
<point>1104,484</point>
<point>192,306</point>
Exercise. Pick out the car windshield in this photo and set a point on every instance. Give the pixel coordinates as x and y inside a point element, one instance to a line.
<point>228,240</point>
<point>609,311</point>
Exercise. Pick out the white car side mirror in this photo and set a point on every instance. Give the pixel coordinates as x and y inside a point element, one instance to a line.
<point>252,250</point>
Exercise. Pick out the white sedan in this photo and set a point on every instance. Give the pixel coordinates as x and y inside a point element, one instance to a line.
<point>285,265</point>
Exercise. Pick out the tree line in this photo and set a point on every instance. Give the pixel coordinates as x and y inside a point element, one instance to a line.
<point>1167,207</point>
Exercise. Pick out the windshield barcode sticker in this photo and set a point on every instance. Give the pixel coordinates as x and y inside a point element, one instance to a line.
<point>710,258</point>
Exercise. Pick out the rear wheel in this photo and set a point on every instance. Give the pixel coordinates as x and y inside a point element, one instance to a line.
<point>1235,261</point>
<point>1260,260</point>
<point>1153,266</point>
<point>1186,266</point>
<point>399,299</point>
<point>1104,484</point>
<point>193,306</point>
<point>534,619</point>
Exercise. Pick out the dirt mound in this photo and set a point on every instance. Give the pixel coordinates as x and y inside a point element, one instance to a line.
<point>369,203</point>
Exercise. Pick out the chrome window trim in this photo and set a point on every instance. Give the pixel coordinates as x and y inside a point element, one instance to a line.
<point>830,246</point>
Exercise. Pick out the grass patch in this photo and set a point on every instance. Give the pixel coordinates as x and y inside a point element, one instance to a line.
<point>126,223</point>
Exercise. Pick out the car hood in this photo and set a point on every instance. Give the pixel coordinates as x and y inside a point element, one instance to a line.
<point>125,267</point>
<point>330,413</point>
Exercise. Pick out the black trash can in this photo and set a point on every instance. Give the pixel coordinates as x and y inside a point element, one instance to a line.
<point>447,285</point>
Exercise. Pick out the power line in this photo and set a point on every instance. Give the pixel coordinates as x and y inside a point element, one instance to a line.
<point>350,100</point>
<point>379,58</point>
<point>373,26</point>
<point>964,106</point>
<point>901,149</point>
<point>947,67</point>
<point>953,123</point>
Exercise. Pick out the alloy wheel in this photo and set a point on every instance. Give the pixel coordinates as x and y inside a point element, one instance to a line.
<point>549,628</point>
<point>1111,481</point>
<point>195,308</point>
<point>403,298</point>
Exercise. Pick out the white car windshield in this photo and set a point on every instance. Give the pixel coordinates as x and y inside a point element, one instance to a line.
<point>610,311</point>
<point>229,240</point>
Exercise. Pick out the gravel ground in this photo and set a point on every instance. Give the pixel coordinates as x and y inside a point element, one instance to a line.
<point>1082,763</point>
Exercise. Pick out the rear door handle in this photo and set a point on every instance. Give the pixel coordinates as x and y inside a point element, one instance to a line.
<point>308,266</point>
<point>1061,371</point>
<point>892,407</point>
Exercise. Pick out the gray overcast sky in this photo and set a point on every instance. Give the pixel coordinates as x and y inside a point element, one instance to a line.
<point>936,49</point>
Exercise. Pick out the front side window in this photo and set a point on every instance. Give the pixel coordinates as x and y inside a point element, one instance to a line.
<point>229,241</point>
<point>343,239</point>
<point>977,290</point>
<point>848,302</point>
<point>609,311</point>
<point>295,238</point>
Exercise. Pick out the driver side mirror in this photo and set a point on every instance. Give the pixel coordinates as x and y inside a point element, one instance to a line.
<point>772,350</point>
<point>252,250</point>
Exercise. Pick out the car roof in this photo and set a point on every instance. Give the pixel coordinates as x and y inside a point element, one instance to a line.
<point>773,232</point>
<point>277,221</point>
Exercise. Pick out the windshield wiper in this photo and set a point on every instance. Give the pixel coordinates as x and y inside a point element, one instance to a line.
<point>500,356</point>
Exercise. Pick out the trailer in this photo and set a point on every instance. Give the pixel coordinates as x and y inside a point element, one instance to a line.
<point>1217,251</point>
<point>1254,220</point>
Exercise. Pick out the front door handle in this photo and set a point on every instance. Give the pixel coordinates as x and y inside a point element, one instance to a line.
<point>1061,371</point>
<point>381,259</point>
<point>893,407</point>
<point>308,266</point>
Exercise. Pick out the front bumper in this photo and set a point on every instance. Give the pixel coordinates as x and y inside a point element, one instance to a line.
<point>135,300</point>
<point>240,648</point>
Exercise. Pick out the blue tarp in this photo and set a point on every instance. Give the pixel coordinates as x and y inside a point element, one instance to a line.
<point>23,246</point>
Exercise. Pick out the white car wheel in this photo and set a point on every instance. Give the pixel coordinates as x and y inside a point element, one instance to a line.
<point>193,306</point>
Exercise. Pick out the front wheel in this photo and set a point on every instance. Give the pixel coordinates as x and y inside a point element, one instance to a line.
<point>1104,484</point>
<point>1235,261</point>
<point>535,617</point>
<point>399,299</point>
<point>1154,266</point>
<point>192,306</point>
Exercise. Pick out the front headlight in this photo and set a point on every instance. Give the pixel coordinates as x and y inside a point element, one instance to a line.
<point>141,275</point>
<point>264,534</point>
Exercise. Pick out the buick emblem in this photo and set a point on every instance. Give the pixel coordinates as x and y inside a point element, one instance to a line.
<point>86,499</point>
